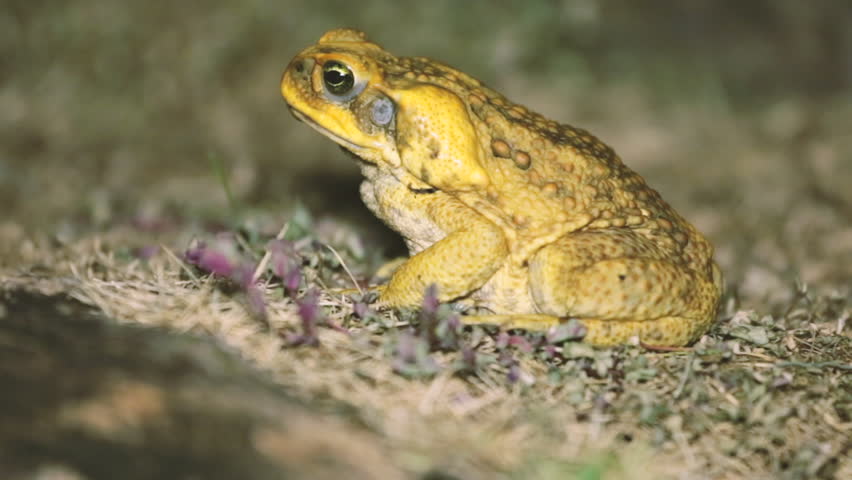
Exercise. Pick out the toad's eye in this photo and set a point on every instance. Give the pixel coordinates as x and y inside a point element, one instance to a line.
<point>338,78</point>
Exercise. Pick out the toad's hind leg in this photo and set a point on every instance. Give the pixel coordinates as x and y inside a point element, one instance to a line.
<point>621,285</point>
<point>664,331</point>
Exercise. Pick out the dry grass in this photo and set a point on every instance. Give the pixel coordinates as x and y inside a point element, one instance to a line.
<point>760,394</point>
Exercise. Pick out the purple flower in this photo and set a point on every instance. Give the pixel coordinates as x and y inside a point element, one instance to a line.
<point>514,373</point>
<point>430,300</point>
<point>223,260</point>
<point>210,260</point>
<point>286,265</point>
<point>309,313</point>
<point>245,276</point>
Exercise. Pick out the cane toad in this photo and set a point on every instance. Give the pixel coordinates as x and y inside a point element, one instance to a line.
<point>529,221</point>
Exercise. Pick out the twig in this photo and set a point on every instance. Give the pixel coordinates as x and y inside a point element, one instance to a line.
<point>348,272</point>
<point>685,377</point>
<point>182,264</point>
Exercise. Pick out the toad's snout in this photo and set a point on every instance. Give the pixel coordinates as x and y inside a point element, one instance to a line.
<point>296,79</point>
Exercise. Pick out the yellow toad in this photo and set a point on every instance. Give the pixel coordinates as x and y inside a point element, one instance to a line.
<point>529,221</point>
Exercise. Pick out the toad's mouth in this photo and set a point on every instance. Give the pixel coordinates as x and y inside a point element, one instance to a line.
<point>303,117</point>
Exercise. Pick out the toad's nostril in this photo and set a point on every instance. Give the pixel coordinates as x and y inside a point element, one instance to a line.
<point>299,66</point>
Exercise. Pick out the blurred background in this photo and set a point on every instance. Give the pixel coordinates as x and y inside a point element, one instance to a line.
<point>738,112</point>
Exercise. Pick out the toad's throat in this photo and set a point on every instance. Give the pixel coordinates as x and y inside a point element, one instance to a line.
<point>303,117</point>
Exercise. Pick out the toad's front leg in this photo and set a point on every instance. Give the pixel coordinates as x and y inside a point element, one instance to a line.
<point>458,264</point>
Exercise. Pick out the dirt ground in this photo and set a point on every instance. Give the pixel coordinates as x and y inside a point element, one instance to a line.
<point>136,137</point>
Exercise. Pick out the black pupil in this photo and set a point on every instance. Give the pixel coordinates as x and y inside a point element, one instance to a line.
<point>334,77</point>
<point>337,77</point>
